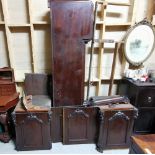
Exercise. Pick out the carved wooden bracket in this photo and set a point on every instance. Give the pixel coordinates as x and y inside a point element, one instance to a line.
<point>119,114</point>
<point>78,112</point>
<point>30,117</point>
<point>101,116</point>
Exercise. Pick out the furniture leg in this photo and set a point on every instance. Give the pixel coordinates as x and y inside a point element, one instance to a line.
<point>4,137</point>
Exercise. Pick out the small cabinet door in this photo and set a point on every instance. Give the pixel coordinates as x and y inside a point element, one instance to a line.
<point>32,131</point>
<point>146,97</point>
<point>115,129</point>
<point>118,124</point>
<point>79,125</point>
<point>145,123</point>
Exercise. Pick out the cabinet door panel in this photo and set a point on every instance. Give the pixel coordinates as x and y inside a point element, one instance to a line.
<point>145,121</point>
<point>32,131</point>
<point>79,125</point>
<point>71,24</point>
<point>113,130</point>
<point>118,124</point>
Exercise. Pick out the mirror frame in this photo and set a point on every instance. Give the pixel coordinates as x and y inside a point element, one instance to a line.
<point>145,23</point>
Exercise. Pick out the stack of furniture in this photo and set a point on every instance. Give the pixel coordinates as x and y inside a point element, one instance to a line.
<point>67,119</point>
<point>71,28</point>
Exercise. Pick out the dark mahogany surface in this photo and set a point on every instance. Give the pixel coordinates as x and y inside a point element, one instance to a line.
<point>71,23</point>
<point>116,124</point>
<point>80,125</point>
<point>142,144</point>
<point>32,129</point>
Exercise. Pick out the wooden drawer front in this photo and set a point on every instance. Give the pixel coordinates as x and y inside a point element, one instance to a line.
<point>145,122</point>
<point>32,131</point>
<point>146,98</point>
<point>79,125</point>
<point>7,89</point>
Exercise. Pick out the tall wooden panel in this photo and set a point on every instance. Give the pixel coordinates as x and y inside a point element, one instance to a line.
<point>71,23</point>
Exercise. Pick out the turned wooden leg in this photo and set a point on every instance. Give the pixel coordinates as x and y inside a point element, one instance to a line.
<point>4,137</point>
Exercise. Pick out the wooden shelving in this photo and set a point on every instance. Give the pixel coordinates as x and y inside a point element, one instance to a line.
<point>26,41</point>
<point>41,23</point>
<point>18,25</point>
<point>118,24</point>
<point>2,22</point>
<point>104,26</point>
<point>113,24</point>
<point>23,38</point>
<point>119,4</point>
<point>100,22</point>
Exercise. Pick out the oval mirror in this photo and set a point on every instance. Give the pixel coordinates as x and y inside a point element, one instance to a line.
<point>139,43</point>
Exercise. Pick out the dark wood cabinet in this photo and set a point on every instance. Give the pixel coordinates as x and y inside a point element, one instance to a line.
<point>145,123</point>
<point>116,125</point>
<point>32,129</point>
<point>142,95</point>
<point>72,25</point>
<point>80,125</point>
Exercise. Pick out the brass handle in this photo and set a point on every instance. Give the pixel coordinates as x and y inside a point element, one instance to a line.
<point>58,93</point>
<point>149,99</point>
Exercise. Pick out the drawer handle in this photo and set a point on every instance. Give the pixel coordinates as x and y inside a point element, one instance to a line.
<point>149,99</point>
<point>58,93</point>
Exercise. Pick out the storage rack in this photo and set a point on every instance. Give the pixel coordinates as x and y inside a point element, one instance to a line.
<point>26,42</point>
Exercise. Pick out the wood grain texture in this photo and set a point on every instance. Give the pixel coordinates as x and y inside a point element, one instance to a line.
<point>80,125</point>
<point>57,124</point>
<point>142,144</point>
<point>71,24</point>
<point>34,128</point>
<point>115,127</point>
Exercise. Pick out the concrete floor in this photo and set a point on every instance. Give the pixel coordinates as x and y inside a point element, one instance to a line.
<point>58,148</point>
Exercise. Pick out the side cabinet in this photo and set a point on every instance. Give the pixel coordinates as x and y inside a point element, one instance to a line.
<point>80,125</point>
<point>32,130</point>
<point>142,96</point>
<point>71,24</point>
<point>115,128</point>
